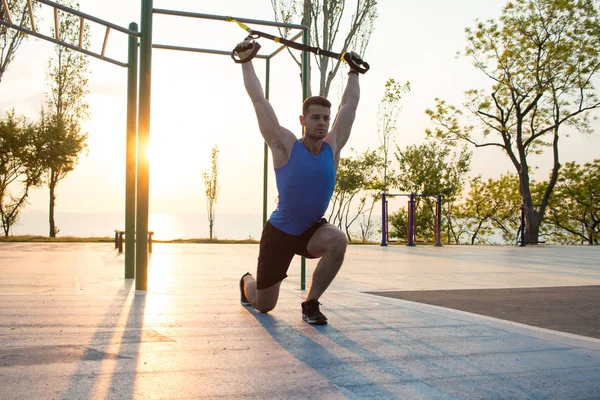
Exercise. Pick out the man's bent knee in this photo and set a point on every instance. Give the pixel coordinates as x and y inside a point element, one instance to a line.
<point>338,245</point>
<point>266,299</point>
<point>328,240</point>
<point>265,305</point>
<point>264,308</point>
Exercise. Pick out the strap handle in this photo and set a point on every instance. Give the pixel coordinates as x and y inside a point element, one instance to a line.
<point>249,42</point>
<point>355,63</point>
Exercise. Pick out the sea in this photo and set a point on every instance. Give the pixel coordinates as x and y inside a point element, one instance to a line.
<point>166,226</point>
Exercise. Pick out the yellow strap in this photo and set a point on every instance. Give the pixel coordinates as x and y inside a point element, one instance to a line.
<point>241,24</point>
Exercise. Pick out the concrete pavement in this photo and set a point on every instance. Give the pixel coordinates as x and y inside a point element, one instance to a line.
<point>72,328</point>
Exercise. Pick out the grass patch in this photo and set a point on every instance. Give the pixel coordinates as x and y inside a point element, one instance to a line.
<point>73,239</point>
<point>209,241</point>
<point>63,239</point>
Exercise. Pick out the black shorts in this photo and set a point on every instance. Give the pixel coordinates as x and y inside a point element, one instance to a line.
<point>277,249</point>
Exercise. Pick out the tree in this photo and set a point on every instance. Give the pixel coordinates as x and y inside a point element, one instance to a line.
<point>490,207</point>
<point>356,175</point>
<point>387,113</point>
<point>324,18</point>
<point>67,108</point>
<point>542,58</point>
<point>476,211</point>
<point>366,224</point>
<point>211,189</point>
<point>574,215</point>
<point>11,39</point>
<point>398,221</point>
<point>432,169</point>
<point>20,169</point>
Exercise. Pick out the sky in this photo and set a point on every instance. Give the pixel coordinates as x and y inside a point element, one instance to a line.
<point>198,100</point>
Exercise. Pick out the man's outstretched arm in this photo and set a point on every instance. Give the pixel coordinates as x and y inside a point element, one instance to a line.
<point>345,117</point>
<point>273,133</point>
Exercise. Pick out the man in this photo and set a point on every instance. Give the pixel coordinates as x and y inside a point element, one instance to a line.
<point>305,171</point>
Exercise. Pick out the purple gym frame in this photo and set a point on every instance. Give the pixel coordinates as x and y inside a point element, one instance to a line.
<point>411,217</point>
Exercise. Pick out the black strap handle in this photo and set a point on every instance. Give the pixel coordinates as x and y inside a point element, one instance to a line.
<point>355,63</point>
<point>248,43</point>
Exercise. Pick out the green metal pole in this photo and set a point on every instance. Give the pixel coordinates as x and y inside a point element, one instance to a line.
<point>131,159</point>
<point>305,86</point>
<point>266,152</point>
<point>143,165</point>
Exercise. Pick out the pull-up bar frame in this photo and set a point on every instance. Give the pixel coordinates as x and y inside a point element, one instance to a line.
<point>132,104</point>
<point>138,112</point>
<point>57,40</point>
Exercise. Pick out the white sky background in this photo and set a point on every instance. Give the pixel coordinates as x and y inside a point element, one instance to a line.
<point>198,100</point>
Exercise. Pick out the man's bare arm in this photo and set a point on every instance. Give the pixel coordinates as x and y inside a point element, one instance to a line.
<point>273,133</point>
<point>345,118</point>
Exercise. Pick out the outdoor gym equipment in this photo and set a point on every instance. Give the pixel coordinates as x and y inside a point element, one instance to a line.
<point>131,268</point>
<point>437,222</point>
<point>138,109</point>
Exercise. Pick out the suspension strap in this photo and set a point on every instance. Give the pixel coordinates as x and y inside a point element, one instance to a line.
<point>355,63</point>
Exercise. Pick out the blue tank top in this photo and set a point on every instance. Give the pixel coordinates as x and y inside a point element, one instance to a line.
<point>305,185</point>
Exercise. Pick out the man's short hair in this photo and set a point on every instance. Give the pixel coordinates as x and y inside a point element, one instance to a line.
<point>315,101</point>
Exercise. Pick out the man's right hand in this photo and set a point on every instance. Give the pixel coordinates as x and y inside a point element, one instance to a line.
<point>246,48</point>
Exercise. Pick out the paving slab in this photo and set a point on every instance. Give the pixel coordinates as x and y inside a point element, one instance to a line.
<point>71,327</point>
<point>573,309</point>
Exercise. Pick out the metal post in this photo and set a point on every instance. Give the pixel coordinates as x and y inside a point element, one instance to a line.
<point>411,220</point>
<point>438,219</point>
<point>266,150</point>
<point>522,225</point>
<point>131,158</point>
<point>387,220</point>
<point>305,86</point>
<point>143,171</point>
<point>121,241</point>
<point>383,221</point>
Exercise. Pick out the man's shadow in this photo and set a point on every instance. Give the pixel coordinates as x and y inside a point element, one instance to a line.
<point>341,373</point>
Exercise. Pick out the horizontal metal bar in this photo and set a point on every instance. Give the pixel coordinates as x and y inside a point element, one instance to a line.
<point>273,54</point>
<point>397,194</point>
<point>198,50</point>
<point>224,18</point>
<point>65,44</point>
<point>410,194</point>
<point>90,17</point>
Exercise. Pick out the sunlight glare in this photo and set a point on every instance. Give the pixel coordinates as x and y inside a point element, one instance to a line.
<point>162,226</point>
<point>150,152</point>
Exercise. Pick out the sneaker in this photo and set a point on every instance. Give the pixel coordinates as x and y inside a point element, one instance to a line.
<point>312,314</point>
<point>243,298</point>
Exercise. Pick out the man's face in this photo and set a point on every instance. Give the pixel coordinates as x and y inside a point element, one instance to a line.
<point>316,122</point>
